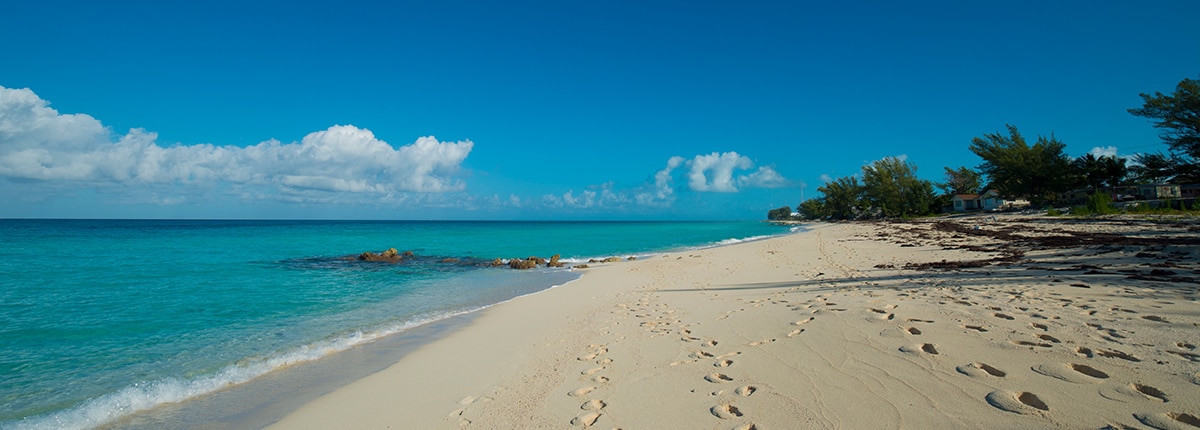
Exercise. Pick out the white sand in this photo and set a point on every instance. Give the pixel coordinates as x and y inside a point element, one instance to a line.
<point>804,331</point>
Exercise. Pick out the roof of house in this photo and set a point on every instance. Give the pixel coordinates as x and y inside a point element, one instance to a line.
<point>966,196</point>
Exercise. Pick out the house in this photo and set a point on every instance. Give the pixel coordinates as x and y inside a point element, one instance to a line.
<point>1159,191</point>
<point>988,201</point>
<point>1189,191</point>
<point>991,201</point>
<point>966,202</point>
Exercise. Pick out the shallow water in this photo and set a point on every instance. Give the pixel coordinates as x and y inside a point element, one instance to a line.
<point>103,318</point>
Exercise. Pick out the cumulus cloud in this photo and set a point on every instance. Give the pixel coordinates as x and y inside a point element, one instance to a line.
<point>715,173</point>
<point>39,143</point>
<point>1104,151</point>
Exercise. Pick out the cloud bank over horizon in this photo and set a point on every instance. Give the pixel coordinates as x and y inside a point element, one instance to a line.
<point>37,143</point>
<point>44,152</point>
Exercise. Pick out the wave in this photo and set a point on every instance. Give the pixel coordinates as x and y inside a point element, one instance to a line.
<point>144,396</point>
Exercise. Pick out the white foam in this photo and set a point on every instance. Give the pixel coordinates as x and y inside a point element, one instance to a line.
<point>144,396</point>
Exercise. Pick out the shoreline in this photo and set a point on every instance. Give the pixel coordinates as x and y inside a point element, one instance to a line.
<point>816,327</point>
<point>266,398</point>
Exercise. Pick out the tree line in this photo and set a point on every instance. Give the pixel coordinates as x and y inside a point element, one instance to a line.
<point>1040,172</point>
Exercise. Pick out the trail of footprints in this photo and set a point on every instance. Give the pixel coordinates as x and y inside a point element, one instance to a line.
<point>726,409</point>
<point>591,408</point>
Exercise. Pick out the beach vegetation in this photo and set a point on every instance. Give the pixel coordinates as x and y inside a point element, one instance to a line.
<point>783,213</point>
<point>813,209</point>
<point>891,187</point>
<point>1177,114</point>
<point>1038,172</point>
<point>962,180</point>
<point>1097,204</point>
<point>1098,172</point>
<point>843,198</point>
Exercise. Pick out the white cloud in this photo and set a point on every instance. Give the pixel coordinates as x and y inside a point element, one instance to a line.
<point>662,179</point>
<point>39,143</point>
<point>764,177</point>
<point>714,172</point>
<point>1104,151</point>
<point>825,178</point>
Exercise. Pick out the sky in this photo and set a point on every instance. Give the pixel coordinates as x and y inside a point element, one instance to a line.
<point>530,110</point>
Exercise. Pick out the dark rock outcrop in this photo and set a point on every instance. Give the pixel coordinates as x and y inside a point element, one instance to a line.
<point>554,261</point>
<point>520,264</point>
<point>389,256</point>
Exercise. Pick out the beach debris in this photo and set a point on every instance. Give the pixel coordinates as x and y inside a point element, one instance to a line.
<point>606,260</point>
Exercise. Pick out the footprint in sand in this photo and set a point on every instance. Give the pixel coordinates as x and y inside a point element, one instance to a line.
<point>1130,393</point>
<point>728,354</point>
<point>1169,420</point>
<point>1029,344</point>
<point>919,320</point>
<point>914,331</point>
<point>803,321</point>
<point>746,391</point>
<point>1023,402</point>
<point>978,369</point>
<point>761,342</point>
<point>1003,316</point>
<point>1048,338</point>
<point>581,392</point>
<point>1112,353</point>
<point>1154,318</point>
<point>590,357</point>
<point>586,420</point>
<point>723,363</point>
<point>726,411</point>
<point>593,405</point>
<point>591,371</point>
<point>718,378</point>
<point>1071,372</point>
<point>710,343</point>
<point>927,348</point>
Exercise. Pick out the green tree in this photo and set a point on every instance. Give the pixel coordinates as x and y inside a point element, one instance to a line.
<point>1153,168</point>
<point>891,186</point>
<point>1100,172</point>
<point>1178,115</point>
<point>813,209</point>
<point>779,213</point>
<point>1114,170</point>
<point>843,197</point>
<point>962,180</point>
<point>1038,172</point>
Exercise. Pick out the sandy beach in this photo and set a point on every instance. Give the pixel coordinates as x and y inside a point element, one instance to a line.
<point>1006,321</point>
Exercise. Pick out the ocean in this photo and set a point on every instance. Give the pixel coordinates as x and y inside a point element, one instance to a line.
<point>104,319</point>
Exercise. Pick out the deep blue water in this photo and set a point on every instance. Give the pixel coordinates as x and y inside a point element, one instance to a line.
<point>103,318</point>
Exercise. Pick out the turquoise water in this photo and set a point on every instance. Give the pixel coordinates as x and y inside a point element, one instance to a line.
<point>101,318</point>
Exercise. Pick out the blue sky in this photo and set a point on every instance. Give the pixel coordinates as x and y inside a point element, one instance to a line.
<point>546,110</point>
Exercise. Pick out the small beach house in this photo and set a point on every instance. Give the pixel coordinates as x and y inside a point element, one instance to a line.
<point>988,201</point>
